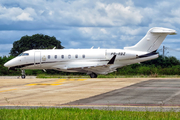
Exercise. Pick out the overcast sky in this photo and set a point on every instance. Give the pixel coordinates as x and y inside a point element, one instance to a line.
<point>87,23</point>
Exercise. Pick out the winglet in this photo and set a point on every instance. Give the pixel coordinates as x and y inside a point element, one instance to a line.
<point>112,60</point>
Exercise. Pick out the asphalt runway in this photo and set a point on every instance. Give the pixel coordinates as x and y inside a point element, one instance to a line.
<point>153,92</point>
<point>111,93</point>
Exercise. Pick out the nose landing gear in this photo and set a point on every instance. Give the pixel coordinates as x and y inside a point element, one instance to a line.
<point>23,76</point>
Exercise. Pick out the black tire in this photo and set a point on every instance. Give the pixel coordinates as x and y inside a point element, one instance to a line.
<point>23,76</point>
<point>93,75</point>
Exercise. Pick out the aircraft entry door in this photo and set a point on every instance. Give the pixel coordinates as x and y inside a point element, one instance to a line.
<point>37,59</point>
<point>106,54</point>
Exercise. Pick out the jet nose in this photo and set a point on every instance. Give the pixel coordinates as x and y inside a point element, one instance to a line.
<point>6,64</point>
<point>9,63</point>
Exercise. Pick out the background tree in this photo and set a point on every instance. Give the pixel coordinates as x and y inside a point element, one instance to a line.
<point>37,41</point>
<point>163,61</point>
<point>4,70</point>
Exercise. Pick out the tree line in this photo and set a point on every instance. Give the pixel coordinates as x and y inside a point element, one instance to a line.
<point>160,66</point>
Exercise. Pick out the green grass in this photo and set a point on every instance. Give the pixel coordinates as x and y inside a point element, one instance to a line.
<point>108,76</point>
<point>83,114</point>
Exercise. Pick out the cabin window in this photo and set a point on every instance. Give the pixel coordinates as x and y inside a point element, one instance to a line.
<point>25,54</point>
<point>83,56</point>
<point>62,56</point>
<point>49,56</point>
<point>69,56</point>
<point>55,56</point>
<point>76,56</point>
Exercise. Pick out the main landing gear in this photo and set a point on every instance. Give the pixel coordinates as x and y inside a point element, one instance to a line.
<point>93,75</point>
<point>23,76</point>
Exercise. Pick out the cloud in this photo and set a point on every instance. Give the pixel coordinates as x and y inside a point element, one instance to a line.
<point>122,15</point>
<point>5,49</point>
<point>74,43</point>
<point>71,13</point>
<point>87,23</point>
<point>8,15</point>
<point>24,17</point>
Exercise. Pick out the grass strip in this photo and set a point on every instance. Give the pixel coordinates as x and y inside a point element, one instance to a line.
<point>84,114</point>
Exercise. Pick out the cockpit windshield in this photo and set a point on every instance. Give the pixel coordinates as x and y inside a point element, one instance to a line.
<point>24,54</point>
<point>20,54</point>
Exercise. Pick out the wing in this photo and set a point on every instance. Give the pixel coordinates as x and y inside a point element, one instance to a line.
<point>88,66</point>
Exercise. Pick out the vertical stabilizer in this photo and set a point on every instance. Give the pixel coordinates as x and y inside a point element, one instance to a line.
<point>152,40</point>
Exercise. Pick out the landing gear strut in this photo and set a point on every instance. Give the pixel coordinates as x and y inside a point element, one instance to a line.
<point>23,76</point>
<point>93,75</point>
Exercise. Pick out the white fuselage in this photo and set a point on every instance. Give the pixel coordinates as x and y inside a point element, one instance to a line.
<point>77,60</point>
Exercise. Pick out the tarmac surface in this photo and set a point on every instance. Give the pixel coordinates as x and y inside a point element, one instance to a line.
<point>112,93</point>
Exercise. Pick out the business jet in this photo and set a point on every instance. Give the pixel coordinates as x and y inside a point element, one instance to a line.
<point>91,61</point>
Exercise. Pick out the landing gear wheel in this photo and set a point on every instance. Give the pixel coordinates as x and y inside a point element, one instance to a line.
<point>93,75</point>
<point>23,76</point>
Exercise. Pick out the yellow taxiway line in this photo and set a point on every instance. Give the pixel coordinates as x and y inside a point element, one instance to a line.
<point>58,82</point>
<point>8,90</point>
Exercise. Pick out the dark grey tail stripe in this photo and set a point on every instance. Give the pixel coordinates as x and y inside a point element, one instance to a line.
<point>148,55</point>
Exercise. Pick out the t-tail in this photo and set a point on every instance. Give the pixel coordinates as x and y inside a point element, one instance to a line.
<point>152,40</point>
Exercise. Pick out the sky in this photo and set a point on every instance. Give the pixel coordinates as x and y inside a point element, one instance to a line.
<point>85,23</point>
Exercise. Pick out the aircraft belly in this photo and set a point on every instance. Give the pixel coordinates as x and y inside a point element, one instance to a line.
<point>122,63</point>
